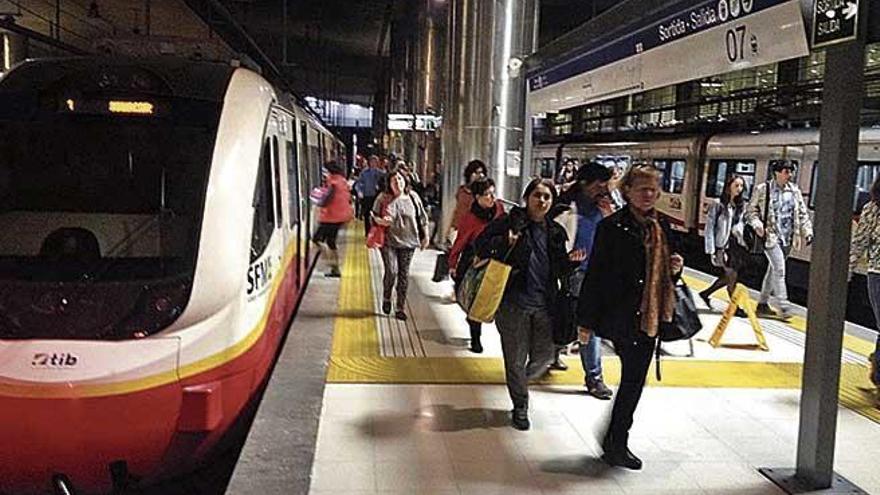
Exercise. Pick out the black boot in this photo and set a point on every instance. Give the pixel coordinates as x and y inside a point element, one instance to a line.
<point>520,418</point>
<point>558,364</point>
<point>476,333</point>
<point>622,458</point>
<point>618,454</point>
<point>706,299</point>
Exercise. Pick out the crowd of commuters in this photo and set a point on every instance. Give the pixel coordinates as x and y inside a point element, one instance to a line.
<point>591,238</point>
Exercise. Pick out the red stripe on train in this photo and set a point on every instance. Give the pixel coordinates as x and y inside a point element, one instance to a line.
<point>159,432</point>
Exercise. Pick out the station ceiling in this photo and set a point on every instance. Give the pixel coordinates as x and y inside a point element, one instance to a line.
<point>334,48</point>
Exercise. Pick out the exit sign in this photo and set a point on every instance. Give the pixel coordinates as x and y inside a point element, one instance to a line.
<point>834,21</point>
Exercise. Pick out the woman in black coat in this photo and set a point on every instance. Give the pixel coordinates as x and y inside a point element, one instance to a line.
<point>534,246</point>
<point>627,293</point>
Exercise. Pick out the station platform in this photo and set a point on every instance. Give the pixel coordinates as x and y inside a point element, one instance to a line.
<point>406,408</point>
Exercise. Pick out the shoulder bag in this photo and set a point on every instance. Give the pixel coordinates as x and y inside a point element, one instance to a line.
<point>376,235</point>
<point>684,325</point>
<point>755,242</point>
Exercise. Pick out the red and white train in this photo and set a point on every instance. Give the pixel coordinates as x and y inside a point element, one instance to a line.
<point>154,248</point>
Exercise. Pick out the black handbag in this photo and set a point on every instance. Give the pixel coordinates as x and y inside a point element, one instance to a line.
<point>755,242</point>
<point>441,268</point>
<point>685,320</point>
<point>684,325</point>
<point>564,324</point>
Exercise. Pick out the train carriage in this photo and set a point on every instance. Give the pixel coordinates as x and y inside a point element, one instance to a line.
<point>695,169</point>
<point>673,157</point>
<point>155,247</point>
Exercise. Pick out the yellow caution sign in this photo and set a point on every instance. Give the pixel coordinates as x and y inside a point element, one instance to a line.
<point>740,299</point>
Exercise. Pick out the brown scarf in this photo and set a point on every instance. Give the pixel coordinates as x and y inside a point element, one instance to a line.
<point>658,296</point>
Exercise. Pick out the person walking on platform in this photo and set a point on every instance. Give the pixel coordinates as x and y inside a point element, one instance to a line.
<point>335,212</point>
<point>724,238</point>
<point>866,245</point>
<point>400,210</point>
<point>367,186</point>
<point>463,197</point>
<point>788,223</point>
<point>534,247</point>
<point>589,191</point>
<point>483,210</point>
<point>627,293</point>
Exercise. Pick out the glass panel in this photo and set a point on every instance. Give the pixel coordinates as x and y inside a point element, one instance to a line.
<point>676,177</point>
<point>135,186</point>
<point>277,173</point>
<point>264,216</point>
<point>813,183</point>
<point>865,177</point>
<point>715,178</point>
<point>292,183</point>
<point>720,171</point>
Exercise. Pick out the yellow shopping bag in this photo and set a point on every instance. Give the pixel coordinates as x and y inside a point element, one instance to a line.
<point>488,296</point>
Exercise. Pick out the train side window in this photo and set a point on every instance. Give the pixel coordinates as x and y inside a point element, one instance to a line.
<point>264,215</point>
<point>663,167</point>
<point>715,178</point>
<point>546,167</point>
<point>813,176</point>
<point>865,176</point>
<point>292,183</point>
<point>277,171</point>
<point>676,176</point>
<point>720,170</point>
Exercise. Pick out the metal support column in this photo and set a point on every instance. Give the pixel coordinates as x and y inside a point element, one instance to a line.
<point>843,89</point>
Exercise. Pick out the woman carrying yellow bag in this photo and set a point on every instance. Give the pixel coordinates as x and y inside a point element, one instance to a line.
<point>533,246</point>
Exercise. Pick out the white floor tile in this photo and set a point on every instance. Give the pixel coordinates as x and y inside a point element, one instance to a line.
<point>446,439</point>
<point>730,476</point>
<point>414,475</point>
<point>655,475</point>
<point>344,476</point>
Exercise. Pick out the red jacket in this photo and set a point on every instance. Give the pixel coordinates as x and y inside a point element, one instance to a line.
<point>469,228</point>
<point>463,200</point>
<point>338,209</point>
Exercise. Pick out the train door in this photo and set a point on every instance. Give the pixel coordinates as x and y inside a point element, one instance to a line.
<point>277,165</point>
<point>294,197</point>
<point>305,167</point>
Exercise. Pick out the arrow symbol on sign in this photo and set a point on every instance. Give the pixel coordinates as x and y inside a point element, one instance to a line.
<point>851,10</point>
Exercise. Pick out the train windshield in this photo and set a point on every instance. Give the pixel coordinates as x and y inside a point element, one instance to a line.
<point>102,185</point>
<point>105,190</point>
<point>103,176</point>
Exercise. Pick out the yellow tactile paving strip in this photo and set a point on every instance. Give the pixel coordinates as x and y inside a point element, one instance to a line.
<point>355,324</point>
<point>356,359</point>
<point>799,323</point>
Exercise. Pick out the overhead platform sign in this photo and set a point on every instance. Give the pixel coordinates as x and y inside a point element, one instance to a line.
<point>711,38</point>
<point>834,21</point>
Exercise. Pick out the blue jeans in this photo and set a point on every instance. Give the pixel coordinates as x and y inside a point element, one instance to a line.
<point>591,354</point>
<point>874,298</point>
<point>591,359</point>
